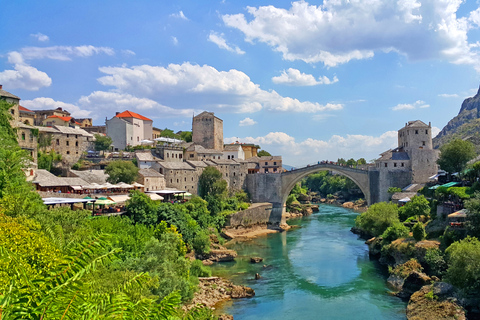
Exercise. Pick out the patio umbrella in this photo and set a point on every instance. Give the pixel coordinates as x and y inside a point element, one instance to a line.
<point>105,202</point>
<point>146,142</point>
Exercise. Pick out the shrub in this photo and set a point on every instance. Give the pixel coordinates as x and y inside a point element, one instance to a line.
<point>291,198</point>
<point>417,206</point>
<point>463,267</point>
<point>435,262</point>
<point>197,269</point>
<point>418,231</point>
<point>378,218</point>
<point>394,232</point>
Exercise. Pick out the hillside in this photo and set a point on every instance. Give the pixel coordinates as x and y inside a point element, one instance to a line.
<point>466,125</point>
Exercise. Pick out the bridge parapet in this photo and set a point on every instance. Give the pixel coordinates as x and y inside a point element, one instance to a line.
<point>333,167</point>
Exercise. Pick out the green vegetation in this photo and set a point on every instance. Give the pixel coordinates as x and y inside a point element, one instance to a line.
<point>64,264</point>
<point>47,160</point>
<point>186,136</point>
<point>463,259</point>
<point>102,142</point>
<point>394,232</point>
<point>121,171</point>
<point>418,231</point>
<point>326,183</point>
<point>393,190</point>
<point>417,206</point>
<point>378,218</point>
<point>263,153</point>
<point>455,155</point>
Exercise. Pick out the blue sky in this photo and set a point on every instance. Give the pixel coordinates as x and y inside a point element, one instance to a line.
<point>306,80</point>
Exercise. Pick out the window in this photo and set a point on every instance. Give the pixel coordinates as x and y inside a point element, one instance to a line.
<point>386,165</point>
<point>68,136</point>
<point>177,180</point>
<point>266,163</point>
<point>171,180</point>
<point>426,131</point>
<point>168,155</point>
<point>180,156</point>
<point>416,131</point>
<point>76,136</point>
<point>395,164</point>
<point>68,152</point>
<point>228,157</point>
<point>191,155</point>
<point>192,178</point>
<point>23,136</point>
<point>76,143</point>
<point>176,155</point>
<point>12,111</point>
<point>185,179</point>
<point>138,139</point>
<point>58,142</point>
<point>403,165</point>
<point>67,143</point>
<point>234,174</point>
<point>274,163</point>
<point>232,156</point>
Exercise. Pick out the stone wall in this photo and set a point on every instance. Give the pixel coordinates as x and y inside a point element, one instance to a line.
<point>264,187</point>
<point>70,146</point>
<point>388,178</point>
<point>257,214</point>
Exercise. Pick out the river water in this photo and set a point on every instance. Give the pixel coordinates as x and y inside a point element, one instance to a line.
<point>318,271</point>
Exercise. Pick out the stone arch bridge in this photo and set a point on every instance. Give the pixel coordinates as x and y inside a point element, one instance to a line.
<point>275,187</point>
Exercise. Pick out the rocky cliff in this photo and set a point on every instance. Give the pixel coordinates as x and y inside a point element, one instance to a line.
<point>466,125</point>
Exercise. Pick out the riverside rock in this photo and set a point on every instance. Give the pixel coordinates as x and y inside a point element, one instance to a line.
<point>256,259</point>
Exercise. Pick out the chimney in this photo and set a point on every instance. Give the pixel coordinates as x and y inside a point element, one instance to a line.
<point>117,113</point>
<point>1,87</point>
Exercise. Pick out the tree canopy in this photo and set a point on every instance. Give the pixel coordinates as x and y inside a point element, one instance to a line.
<point>378,218</point>
<point>102,142</point>
<point>263,153</point>
<point>211,183</point>
<point>455,155</point>
<point>121,171</point>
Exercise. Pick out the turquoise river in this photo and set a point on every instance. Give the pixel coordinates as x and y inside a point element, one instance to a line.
<point>318,271</point>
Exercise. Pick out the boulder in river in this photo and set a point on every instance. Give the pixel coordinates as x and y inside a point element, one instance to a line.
<point>256,259</point>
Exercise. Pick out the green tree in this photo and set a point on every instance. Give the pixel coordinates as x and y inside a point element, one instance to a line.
<point>394,232</point>
<point>417,206</point>
<point>341,161</point>
<point>378,218</point>
<point>361,161</point>
<point>102,142</point>
<point>392,190</point>
<point>16,194</point>
<point>351,162</point>
<point>455,155</point>
<point>46,160</point>
<point>121,171</point>
<point>263,153</point>
<point>211,183</point>
<point>463,264</point>
<point>473,215</point>
<point>186,136</point>
<point>167,133</point>
<point>141,208</point>
<point>418,231</point>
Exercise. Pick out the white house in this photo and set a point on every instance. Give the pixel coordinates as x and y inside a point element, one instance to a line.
<point>128,129</point>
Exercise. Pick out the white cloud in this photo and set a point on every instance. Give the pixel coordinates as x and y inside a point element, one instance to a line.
<point>222,43</point>
<point>128,52</point>
<point>179,15</point>
<point>40,37</point>
<point>63,53</point>
<point>106,103</point>
<point>312,150</point>
<point>410,106</point>
<point>247,122</point>
<point>338,31</point>
<point>23,76</point>
<point>435,131</point>
<point>174,40</point>
<point>181,86</point>
<point>447,95</point>
<point>294,77</point>
<point>48,103</point>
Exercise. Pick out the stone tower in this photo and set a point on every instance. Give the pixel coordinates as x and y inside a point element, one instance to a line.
<point>207,131</point>
<point>416,140</point>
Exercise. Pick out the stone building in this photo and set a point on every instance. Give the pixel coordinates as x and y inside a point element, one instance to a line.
<point>196,152</point>
<point>265,164</point>
<point>26,134</point>
<point>70,143</point>
<point>207,131</point>
<point>233,151</point>
<point>41,115</point>
<point>128,129</point>
<point>84,122</point>
<point>250,150</point>
<point>412,162</point>
<point>168,152</point>
<point>60,121</point>
<point>233,171</point>
<point>156,133</point>
<point>145,159</point>
<point>179,175</point>
<point>152,180</point>
<point>26,116</point>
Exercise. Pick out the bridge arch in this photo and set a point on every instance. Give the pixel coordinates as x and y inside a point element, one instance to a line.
<point>359,177</point>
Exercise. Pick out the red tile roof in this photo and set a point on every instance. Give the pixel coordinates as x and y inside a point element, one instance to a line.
<point>66,119</point>
<point>130,114</point>
<point>24,109</point>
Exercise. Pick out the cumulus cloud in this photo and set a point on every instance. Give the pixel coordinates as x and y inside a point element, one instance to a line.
<point>48,103</point>
<point>247,122</point>
<point>312,150</point>
<point>294,77</point>
<point>40,37</point>
<point>179,15</point>
<point>337,31</point>
<point>23,76</point>
<point>222,43</point>
<point>410,106</point>
<point>63,53</point>
<point>447,95</point>
<point>181,86</point>
<point>110,102</point>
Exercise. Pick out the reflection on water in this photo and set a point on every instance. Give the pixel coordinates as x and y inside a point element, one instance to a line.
<point>318,271</point>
